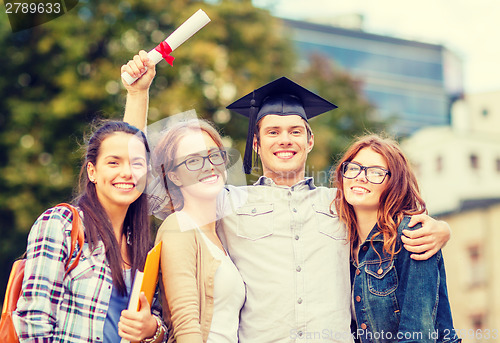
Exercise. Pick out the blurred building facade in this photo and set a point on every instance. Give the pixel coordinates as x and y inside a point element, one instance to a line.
<point>458,169</point>
<point>459,163</point>
<point>472,269</point>
<point>411,82</point>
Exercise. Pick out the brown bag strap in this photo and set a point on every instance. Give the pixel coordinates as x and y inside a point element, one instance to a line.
<point>13,291</point>
<point>77,236</point>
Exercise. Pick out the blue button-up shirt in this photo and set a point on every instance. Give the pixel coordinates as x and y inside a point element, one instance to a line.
<point>293,255</point>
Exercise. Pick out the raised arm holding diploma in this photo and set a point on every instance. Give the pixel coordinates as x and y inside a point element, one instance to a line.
<point>179,36</point>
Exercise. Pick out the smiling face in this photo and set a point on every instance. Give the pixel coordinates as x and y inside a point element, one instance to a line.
<point>119,173</point>
<point>206,182</point>
<point>283,148</point>
<point>359,193</point>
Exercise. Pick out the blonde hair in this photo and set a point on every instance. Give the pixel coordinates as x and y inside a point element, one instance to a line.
<point>163,159</point>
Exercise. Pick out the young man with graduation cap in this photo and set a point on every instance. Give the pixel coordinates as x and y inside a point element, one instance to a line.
<point>289,248</point>
<point>287,244</point>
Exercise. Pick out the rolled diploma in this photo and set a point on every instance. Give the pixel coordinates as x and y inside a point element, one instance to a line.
<point>192,25</point>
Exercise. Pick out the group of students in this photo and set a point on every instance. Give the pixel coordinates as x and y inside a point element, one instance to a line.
<point>278,261</point>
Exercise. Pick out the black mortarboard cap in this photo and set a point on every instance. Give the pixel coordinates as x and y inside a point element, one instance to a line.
<point>280,97</point>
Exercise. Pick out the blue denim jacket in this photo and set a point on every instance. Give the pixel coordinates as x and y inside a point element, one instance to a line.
<point>400,300</point>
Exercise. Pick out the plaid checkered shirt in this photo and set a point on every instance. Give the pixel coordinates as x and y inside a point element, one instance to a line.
<point>54,308</point>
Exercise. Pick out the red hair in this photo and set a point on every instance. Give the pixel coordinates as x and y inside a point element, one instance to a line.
<point>401,196</point>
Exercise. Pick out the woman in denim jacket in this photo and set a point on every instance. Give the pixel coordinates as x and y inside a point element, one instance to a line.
<point>394,298</point>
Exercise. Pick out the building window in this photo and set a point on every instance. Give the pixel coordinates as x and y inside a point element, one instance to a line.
<point>439,164</point>
<point>477,267</point>
<point>474,161</point>
<point>478,323</point>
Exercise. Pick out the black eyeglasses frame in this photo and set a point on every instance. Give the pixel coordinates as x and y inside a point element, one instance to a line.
<point>361,168</point>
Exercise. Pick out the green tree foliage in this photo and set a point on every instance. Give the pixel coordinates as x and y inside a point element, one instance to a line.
<point>59,76</point>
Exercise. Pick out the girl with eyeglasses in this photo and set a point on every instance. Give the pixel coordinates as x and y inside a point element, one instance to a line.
<point>394,298</point>
<point>203,291</point>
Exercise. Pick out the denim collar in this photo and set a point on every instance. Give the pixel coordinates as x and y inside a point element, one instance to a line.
<point>378,238</point>
<point>307,183</point>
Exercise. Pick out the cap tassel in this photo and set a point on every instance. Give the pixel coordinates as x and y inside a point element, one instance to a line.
<point>247,158</point>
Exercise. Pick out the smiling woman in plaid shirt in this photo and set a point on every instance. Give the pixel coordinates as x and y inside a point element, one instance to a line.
<point>89,304</point>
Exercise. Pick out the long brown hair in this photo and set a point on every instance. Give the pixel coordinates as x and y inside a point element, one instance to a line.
<point>164,154</point>
<point>401,196</point>
<point>96,221</point>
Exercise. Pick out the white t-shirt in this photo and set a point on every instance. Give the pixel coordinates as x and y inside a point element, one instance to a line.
<point>229,296</point>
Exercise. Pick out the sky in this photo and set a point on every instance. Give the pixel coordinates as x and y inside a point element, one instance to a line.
<point>469,28</point>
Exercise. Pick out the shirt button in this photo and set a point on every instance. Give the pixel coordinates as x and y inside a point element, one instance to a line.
<point>297,237</point>
<point>298,269</point>
<point>254,210</point>
<point>294,210</point>
<point>365,248</point>
<point>363,326</point>
<point>380,271</point>
<point>299,301</point>
<point>358,272</point>
<point>300,333</point>
<point>358,298</point>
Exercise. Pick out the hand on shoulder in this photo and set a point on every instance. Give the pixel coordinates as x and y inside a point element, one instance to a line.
<point>427,240</point>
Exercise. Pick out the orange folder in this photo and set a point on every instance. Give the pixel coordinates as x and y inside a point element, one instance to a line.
<point>150,274</point>
<point>145,281</point>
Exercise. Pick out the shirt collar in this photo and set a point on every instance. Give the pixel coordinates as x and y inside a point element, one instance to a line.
<point>307,183</point>
<point>373,232</point>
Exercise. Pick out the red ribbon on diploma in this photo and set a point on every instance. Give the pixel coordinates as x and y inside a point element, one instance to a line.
<point>164,49</point>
